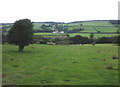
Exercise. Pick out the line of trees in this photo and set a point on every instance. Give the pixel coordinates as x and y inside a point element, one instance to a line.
<point>22,34</point>
<point>115,21</point>
<point>76,40</point>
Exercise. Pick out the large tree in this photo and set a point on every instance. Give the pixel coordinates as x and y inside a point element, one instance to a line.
<point>21,33</point>
<point>78,39</point>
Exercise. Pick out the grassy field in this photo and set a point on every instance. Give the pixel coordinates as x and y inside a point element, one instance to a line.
<point>93,23</point>
<point>43,34</point>
<point>74,34</point>
<point>103,26</point>
<point>95,35</point>
<point>60,65</point>
<point>37,25</point>
<point>98,23</point>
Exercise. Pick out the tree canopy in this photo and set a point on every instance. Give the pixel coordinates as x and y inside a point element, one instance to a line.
<point>21,33</point>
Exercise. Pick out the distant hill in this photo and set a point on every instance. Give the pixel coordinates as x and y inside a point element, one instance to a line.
<point>86,26</point>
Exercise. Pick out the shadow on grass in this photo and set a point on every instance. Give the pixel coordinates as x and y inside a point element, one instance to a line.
<point>24,52</point>
<point>60,85</point>
<point>15,51</point>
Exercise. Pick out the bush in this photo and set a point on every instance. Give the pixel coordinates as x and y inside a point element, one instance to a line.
<point>41,40</point>
<point>4,38</point>
<point>104,40</point>
<point>80,40</point>
<point>61,40</point>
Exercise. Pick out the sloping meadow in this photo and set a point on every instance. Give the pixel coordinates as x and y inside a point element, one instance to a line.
<point>61,65</point>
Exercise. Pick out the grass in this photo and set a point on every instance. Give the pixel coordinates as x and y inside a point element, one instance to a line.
<point>74,34</point>
<point>49,34</point>
<point>95,35</point>
<point>98,23</point>
<point>88,29</point>
<point>60,65</point>
<point>102,26</point>
<point>107,29</point>
<point>37,25</point>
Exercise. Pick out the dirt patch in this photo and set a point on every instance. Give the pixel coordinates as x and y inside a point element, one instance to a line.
<point>103,59</point>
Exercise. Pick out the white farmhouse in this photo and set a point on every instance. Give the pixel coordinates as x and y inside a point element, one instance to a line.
<point>56,31</point>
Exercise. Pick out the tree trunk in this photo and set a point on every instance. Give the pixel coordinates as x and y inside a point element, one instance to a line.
<point>21,47</point>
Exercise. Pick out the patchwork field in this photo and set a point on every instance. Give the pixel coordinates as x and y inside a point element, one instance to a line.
<point>74,34</point>
<point>102,26</point>
<point>89,27</point>
<point>60,65</point>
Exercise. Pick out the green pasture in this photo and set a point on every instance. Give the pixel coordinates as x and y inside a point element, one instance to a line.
<point>88,29</point>
<point>37,25</point>
<point>107,29</point>
<point>102,26</point>
<point>97,23</point>
<point>92,23</point>
<point>49,34</point>
<point>74,34</point>
<point>60,65</point>
<point>95,35</point>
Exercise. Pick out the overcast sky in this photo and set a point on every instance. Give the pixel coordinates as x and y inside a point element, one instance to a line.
<point>58,10</point>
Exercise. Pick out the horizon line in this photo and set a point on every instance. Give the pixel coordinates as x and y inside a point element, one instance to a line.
<point>59,21</point>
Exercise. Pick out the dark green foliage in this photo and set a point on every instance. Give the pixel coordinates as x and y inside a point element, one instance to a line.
<point>98,31</point>
<point>80,40</point>
<point>21,33</point>
<point>4,38</point>
<point>115,21</point>
<point>76,40</point>
<point>37,38</point>
<point>81,25</point>
<point>118,31</point>
<point>0,37</point>
<point>116,40</point>
<point>104,40</point>
<point>91,36</point>
<point>61,40</point>
<point>41,31</point>
<point>41,40</point>
<point>59,27</point>
<point>4,30</point>
<point>43,27</point>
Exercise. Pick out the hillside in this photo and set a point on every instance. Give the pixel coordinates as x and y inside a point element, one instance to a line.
<point>103,26</point>
<point>85,24</point>
<point>73,28</point>
<point>60,65</point>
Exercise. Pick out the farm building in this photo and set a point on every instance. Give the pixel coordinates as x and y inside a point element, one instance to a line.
<point>56,31</point>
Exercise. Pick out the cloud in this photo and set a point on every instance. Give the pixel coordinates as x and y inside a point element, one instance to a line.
<point>58,10</point>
